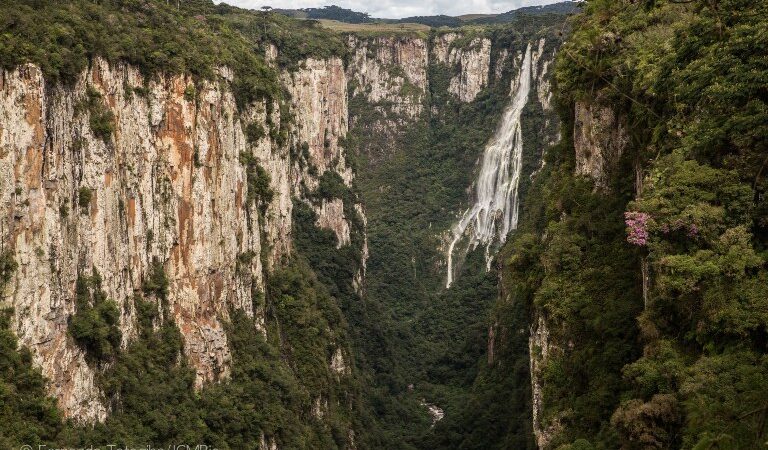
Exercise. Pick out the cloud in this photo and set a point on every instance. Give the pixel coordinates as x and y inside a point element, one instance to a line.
<point>395,9</point>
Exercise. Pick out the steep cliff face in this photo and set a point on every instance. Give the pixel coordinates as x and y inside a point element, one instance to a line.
<point>545,57</point>
<point>539,348</point>
<point>390,73</point>
<point>318,94</point>
<point>168,185</point>
<point>319,104</point>
<point>145,205</point>
<point>599,138</point>
<point>472,61</point>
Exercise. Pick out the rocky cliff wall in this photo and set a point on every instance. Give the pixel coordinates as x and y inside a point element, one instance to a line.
<point>168,184</point>
<point>390,71</point>
<point>599,139</point>
<point>472,63</point>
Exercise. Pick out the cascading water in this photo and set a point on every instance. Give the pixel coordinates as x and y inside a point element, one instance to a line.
<point>494,212</point>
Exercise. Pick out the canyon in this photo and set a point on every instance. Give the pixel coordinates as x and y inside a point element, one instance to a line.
<point>251,229</point>
<point>169,186</point>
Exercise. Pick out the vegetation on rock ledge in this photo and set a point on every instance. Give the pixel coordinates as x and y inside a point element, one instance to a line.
<point>95,325</point>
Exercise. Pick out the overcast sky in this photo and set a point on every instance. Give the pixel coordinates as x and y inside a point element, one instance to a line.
<point>395,9</point>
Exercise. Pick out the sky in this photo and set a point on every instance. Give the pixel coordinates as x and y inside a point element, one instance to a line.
<point>396,9</point>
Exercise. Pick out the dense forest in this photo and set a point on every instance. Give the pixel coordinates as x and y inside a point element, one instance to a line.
<point>627,310</point>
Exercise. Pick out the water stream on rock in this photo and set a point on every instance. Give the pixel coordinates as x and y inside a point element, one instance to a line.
<point>494,212</point>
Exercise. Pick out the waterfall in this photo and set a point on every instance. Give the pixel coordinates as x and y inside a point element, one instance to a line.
<point>494,212</point>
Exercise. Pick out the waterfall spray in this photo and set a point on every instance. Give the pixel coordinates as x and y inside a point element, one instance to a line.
<point>494,212</point>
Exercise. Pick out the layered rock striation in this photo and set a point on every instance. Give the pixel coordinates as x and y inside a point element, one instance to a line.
<point>166,184</point>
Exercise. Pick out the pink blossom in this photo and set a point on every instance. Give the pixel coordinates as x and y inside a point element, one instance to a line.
<point>637,227</point>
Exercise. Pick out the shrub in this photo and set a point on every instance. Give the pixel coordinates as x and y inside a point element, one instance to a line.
<point>244,260</point>
<point>190,93</point>
<point>259,190</point>
<point>28,416</point>
<point>102,122</point>
<point>8,265</point>
<point>157,282</point>
<point>84,196</point>
<point>100,118</point>
<point>254,132</point>
<point>95,324</point>
<point>331,186</point>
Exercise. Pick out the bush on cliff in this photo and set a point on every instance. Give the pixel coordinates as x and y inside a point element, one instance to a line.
<point>95,325</point>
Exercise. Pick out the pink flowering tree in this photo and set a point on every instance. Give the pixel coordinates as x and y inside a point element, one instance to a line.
<point>637,227</point>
